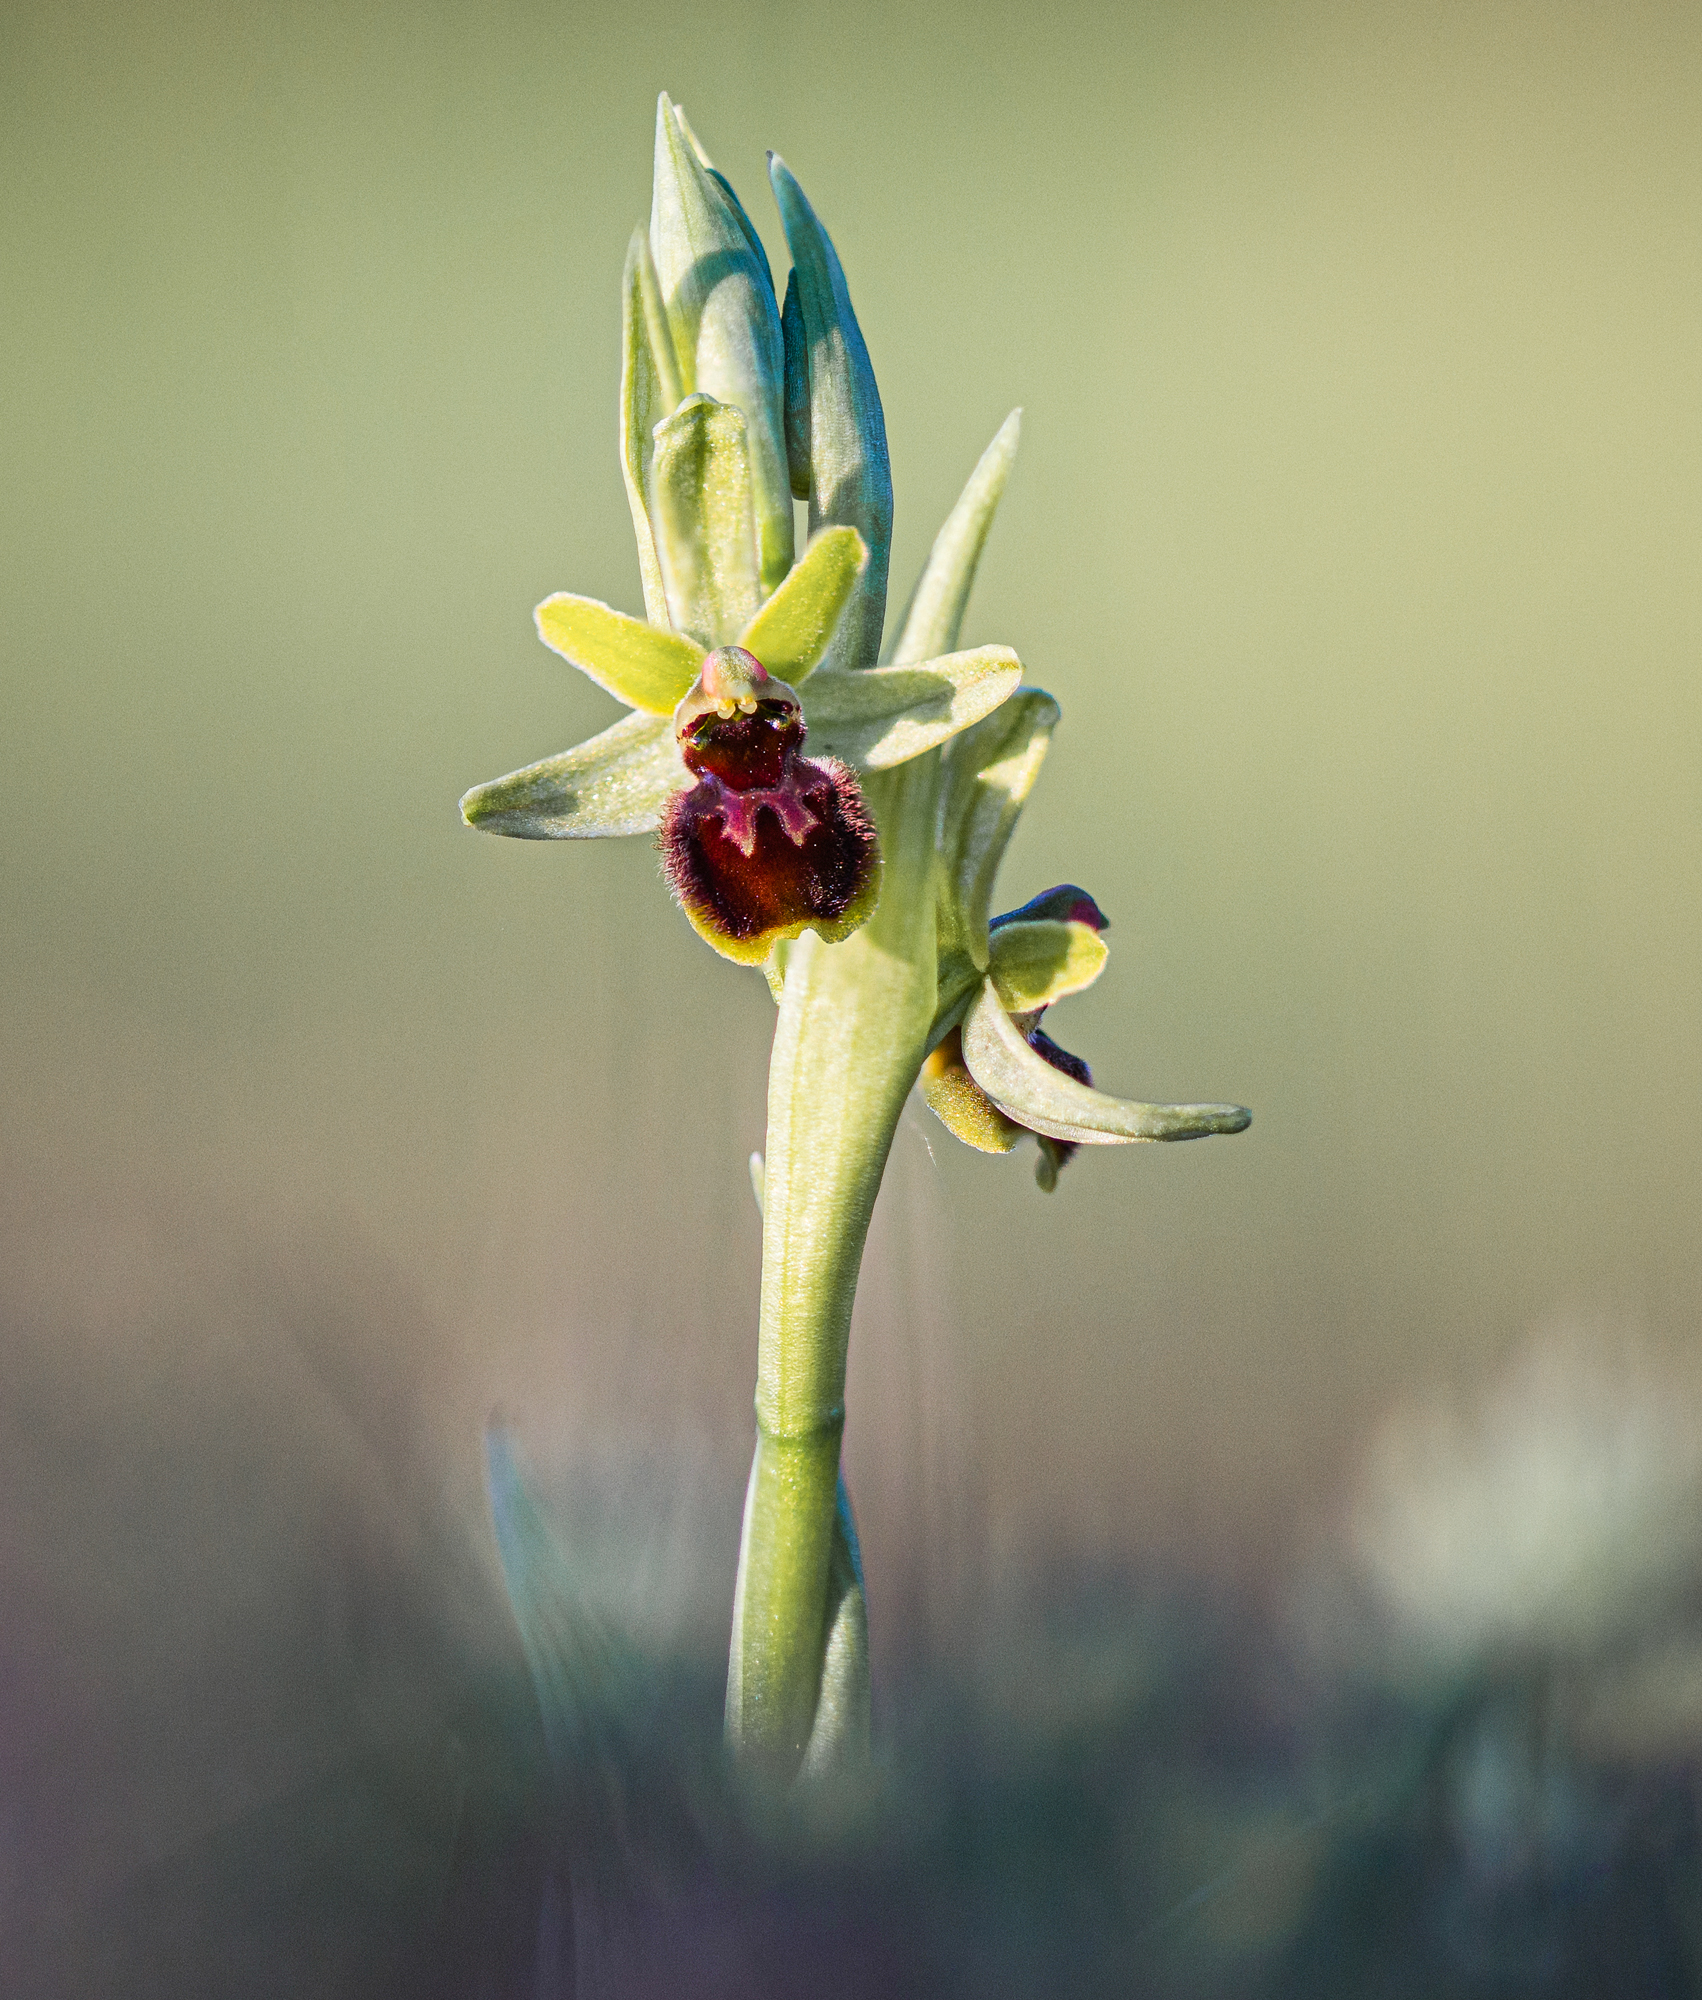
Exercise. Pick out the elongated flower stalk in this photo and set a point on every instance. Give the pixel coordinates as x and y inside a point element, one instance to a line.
<point>833,815</point>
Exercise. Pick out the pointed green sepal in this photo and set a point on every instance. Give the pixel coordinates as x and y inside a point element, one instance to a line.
<point>887,715</point>
<point>700,489</point>
<point>645,666</point>
<point>933,620</point>
<point>990,771</point>
<point>828,372</point>
<point>791,632</point>
<point>617,783</point>
<point>1027,1088</point>
<point>719,297</point>
<point>1034,964</point>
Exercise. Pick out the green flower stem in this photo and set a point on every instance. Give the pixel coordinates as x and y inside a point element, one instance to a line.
<point>852,1032</point>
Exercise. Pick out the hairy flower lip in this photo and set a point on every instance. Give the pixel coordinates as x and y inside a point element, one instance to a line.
<point>754,868</point>
<point>740,733</point>
<point>738,806</point>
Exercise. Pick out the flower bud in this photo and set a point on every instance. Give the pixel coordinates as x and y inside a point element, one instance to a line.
<point>717,298</point>
<point>835,432</point>
<point>767,843</point>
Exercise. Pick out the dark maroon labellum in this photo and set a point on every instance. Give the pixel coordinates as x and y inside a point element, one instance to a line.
<point>768,843</point>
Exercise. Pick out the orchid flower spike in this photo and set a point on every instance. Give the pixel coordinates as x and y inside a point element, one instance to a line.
<point>710,475</point>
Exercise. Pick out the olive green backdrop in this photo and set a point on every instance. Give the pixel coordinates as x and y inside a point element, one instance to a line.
<point>1358,529</point>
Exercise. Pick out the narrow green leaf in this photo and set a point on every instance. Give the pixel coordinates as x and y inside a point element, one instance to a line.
<point>887,715</point>
<point>719,297</point>
<point>933,620</point>
<point>616,783</point>
<point>850,479</point>
<point>700,485</point>
<point>644,403</point>
<point>1034,964</point>
<point>839,1737</point>
<point>1027,1088</point>
<point>675,364</point>
<point>791,631</point>
<point>989,772</point>
<point>643,665</point>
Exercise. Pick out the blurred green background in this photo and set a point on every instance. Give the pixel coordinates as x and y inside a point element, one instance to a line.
<point>1356,528</point>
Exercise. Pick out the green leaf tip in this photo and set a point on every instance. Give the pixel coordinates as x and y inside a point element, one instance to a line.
<point>933,619</point>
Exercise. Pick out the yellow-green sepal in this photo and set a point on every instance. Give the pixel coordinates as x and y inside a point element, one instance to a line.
<point>791,632</point>
<point>1033,964</point>
<point>959,1102</point>
<point>646,666</point>
<point>1027,1088</point>
<point>616,783</point>
<point>883,716</point>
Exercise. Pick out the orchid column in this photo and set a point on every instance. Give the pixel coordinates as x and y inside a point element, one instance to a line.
<point>836,822</point>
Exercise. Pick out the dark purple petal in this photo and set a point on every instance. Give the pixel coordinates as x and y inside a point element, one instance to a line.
<point>1055,1153</point>
<point>1064,905</point>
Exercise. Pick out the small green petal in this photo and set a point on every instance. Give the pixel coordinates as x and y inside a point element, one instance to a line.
<point>886,715</point>
<point>989,772</point>
<point>791,631</point>
<point>643,665</point>
<point>1027,1088</point>
<point>616,783</point>
<point>700,484</point>
<point>934,617</point>
<point>1034,964</point>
